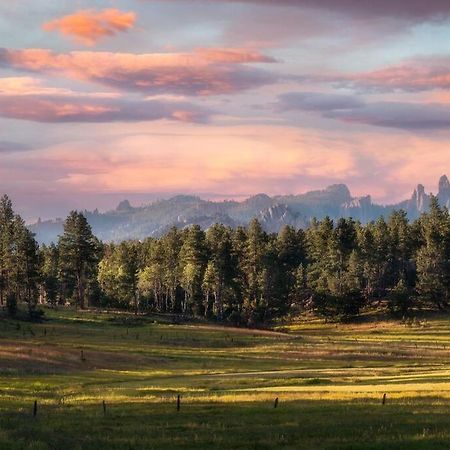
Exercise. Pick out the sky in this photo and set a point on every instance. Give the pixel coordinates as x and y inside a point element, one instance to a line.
<point>104,100</point>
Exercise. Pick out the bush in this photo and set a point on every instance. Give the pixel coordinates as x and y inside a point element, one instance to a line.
<point>400,300</point>
<point>11,305</point>
<point>36,315</point>
<point>343,307</point>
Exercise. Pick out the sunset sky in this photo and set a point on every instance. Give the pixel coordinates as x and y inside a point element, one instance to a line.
<point>140,99</point>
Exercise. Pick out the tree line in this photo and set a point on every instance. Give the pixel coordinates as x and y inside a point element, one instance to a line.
<point>242,276</point>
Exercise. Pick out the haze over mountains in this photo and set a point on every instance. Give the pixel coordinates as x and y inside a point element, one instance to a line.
<point>128,222</point>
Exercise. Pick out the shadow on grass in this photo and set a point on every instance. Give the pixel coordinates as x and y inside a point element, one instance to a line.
<point>416,424</point>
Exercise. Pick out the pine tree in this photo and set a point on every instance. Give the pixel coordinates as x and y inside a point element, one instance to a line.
<point>19,260</point>
<point>291,249</point>
<point>400,299</point>
<point>26,267</point>
<point>193,259</point>
<point>79,254</point>
<point>6,247</point>
<point>170,252</point>
<point>401,249</point>
<point>221,269</point>
<point>212,286</point>
<point>253,266</point>
<point>50,273</point>
<point>433,258</point>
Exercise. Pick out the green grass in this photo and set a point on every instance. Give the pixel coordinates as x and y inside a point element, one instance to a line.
<point>329,379</point>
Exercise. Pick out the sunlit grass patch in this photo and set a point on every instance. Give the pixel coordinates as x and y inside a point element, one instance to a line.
<point>329,380</point>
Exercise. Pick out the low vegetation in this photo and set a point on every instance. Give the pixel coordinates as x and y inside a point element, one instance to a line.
<point>329,380</point>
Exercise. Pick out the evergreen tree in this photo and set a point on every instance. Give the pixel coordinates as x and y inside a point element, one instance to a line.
<point>19,260</point>
<point>26,267</point>
<point>212,287</point>
<point>220,271</point>
<point>79,254</point>
<point>291,249</point>
<point>193,259</point>
<point>400,299</point>
<point>433,258</point>
<point>253,266</point>
<point>6,248</point>
<point>50,273</point>
<point>401,249</point>
<point>170,254</point>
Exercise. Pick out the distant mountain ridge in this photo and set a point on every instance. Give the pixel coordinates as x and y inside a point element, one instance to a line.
<point>128,222</point>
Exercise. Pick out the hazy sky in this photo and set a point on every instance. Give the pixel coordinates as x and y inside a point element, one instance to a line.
<point>110,99</point>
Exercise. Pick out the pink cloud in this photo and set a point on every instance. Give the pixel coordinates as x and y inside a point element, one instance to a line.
<point>63,110</point>
<point>27,99</point>
<point>201,72</point>
<point>88,26</point>
<point>276,160</point>
<point>421,74</point>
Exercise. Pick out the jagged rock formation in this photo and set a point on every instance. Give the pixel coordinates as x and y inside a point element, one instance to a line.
<point>419,201</point>
<point>275,217</point>
<point>444,191</point>
<point>128,222</point>
<point>362,209</point>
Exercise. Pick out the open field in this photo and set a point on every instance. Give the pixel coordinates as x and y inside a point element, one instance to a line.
<point>329,379</point>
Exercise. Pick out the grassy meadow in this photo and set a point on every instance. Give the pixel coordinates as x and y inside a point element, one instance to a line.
<point>329,380</point>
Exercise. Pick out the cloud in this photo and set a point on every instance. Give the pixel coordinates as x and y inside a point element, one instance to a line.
<point>34,86</point>
<point>28,99</point>
<point>202,72</point>
<point>416,10</point>
<point>88,26</point>
<point>406,116</point>
<point>233,161</point>
<point>421,74</point>
<point>354,110</point>
<point>13,147</point>
<point>63,110</point>
<point>316,101</point>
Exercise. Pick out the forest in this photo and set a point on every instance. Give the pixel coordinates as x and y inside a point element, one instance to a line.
<point>241,276</point>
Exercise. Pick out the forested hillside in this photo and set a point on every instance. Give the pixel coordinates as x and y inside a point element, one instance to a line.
<point>237,275</point>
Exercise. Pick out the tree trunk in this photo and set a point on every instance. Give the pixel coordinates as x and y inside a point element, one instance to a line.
<point>207,304</point>
<point>81,290</point>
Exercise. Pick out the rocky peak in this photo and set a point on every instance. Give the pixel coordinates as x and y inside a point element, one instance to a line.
<point>341,191</point>
<point>258,202</point>
<point>358,202</point>
<point>358,208</point>
<point>444,191</point>
<point>275,212</point>
<point>124,206</point>
<point>277,215</point>
<point>420,199</point>
<point>444,185</point>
